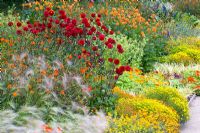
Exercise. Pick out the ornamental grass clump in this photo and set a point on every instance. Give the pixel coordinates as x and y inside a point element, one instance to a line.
<point>172,98</point>
<point>29,80</point>
<point>146,115</point>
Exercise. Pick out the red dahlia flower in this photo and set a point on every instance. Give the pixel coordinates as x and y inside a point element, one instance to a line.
<point>81,42</point>
<point>46,14</point>
<point>48,8</point>
<point>101,37</point>
<point>111,32</point>
<point>119,71</point>
<point>19,32</point>
<point>83,15</point>
<point>57,21</point>
<point>110,59</point>
<point>110,46</point>
<point>94,38</point>
<point>19,24</point>
<point>116,61</point>
<point>10,23</point>
<point>127,68</point>
<point>99,15</point>
<point>25,28</point>
<point>94,48</point>
<point>51,12</point>
<point>93,15</point>
<point>62,12</point>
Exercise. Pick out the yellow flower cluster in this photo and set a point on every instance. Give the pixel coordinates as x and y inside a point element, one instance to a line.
<point>159,116</point>
<point>122,94</point>
<point>172,98</point>
<point>143,122</point>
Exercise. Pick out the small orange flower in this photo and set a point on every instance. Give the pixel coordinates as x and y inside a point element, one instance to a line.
<point>14,94</point>
<point>43,72</point>
<point>62,92</point>
<point>89,88</point>
<point>191,79</point>
<point>70,57</point>
<point>142,34</point>
<point>197,87</point>
<point>83,70</point>
<point>42,43</point>
<point>33,43</point>
<point>197,73</point>
<point>56,72</point>
<point>137,71</point>
<point>154,29</point>
<point>47,128</point>
<point>90,5</point>
<point>10,44</point>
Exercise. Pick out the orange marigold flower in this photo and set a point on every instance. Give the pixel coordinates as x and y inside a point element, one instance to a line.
<point>191,79</point>
<point>142,34</point>
<point>10,44</point>
<point>33,43</point>
<point>154,29</point>
<point>47,128</point>
<point>83,70</point>
<point>56,72</point>
<point>90,5</point>
<point>70,57</point>
<point>43,72</point>
<point>14,94</point>
<point>197,87</point>
<point>197,73</point>
<point>62,92</point>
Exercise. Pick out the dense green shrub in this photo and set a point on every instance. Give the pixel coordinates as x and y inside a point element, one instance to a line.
<point>172,98</point>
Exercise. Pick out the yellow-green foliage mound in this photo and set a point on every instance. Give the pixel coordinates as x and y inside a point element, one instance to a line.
<point>183,50</point>
<point>144,115</point>
<point>172,98</point>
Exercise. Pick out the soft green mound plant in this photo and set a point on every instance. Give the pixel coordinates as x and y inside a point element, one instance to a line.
<point>172,98</point>
<point>163,118</point>
<point>133,48</point>
<point>134,82</point>
<point>183,50</point>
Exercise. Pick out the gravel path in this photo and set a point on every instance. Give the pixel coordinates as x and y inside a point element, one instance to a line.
<point>193,125</point>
